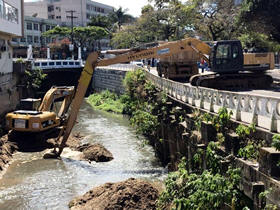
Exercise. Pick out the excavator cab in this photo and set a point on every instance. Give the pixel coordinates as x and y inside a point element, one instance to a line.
<point>227,57</point>
<point>34,118</point>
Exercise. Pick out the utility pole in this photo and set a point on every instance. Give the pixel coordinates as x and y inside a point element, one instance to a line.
<point>72,18</point>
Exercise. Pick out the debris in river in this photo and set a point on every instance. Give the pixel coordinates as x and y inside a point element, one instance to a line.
<point>96,152</point>
<point>129,194</point>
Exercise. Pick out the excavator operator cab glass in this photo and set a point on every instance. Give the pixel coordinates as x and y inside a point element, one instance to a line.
<point>227,57</point>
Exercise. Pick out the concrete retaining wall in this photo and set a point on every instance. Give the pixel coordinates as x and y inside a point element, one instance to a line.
<point>106,79</point>
<point>9,94</point>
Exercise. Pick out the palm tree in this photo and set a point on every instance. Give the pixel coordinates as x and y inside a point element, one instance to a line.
<point>120,17</point>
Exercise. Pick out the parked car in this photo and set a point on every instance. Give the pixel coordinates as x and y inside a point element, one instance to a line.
<point>137,63</point>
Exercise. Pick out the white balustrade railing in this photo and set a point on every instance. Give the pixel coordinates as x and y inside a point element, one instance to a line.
<point>264,111</point>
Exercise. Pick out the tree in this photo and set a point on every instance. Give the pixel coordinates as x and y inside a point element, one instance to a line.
<point>125,38</point>
<point>82,36</point>
<point>101,21</point>
<point>262,16</point>
<point>213,19</point>
<point>120,17</point>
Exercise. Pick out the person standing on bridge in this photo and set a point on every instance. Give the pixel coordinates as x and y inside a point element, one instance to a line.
<point>149,65</point>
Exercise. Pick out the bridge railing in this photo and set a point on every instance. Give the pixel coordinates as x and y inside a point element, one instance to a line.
<point>264,111</point>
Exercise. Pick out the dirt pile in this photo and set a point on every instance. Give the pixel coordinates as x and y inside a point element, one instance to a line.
<point>6,150</point>
<point>129,194</point>
<point>95,152</point>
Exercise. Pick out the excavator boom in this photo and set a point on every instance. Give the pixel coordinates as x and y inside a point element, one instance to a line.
<point>164,50</point>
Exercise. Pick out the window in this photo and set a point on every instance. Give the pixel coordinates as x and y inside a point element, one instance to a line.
<point>102,10</point>
<point>235,52</point>
<point>65,63</point>
<point>51,63</point>
<point>1,8</point>
<point>77,63</point>
<point>36,26</point>
<point>37,64</point>
<point>58,63</point>
<point>29,26</point>
<point>71,63</point>
<point>48,40</point>
<point>88,16</point>
<point>36,39</point>
<point>44,63</point>
<point>29,39</point>
<point>58,8</point>
<point>223,51</point>
<point>48,27</point>
<point>88,7</point>
<point>10,13</point>
<point>14,39</point>
<point>23,39</point>
<point>58,17</point>
<point>51,17</point>
<point>50,8</point>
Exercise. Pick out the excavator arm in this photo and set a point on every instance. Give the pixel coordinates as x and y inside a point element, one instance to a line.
<point>161,51</point>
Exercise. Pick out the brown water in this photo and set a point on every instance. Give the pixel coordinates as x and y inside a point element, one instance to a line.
<point>34,183</point>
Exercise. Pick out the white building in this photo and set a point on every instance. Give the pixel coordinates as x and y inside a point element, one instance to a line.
<point>33,29</point>
<point>57,10</point>
<point>11,25</point>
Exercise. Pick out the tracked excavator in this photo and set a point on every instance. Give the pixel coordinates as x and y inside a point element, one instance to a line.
<point>225,58</point>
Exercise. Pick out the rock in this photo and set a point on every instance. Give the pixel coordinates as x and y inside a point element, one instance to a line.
<point>129,194</point>
<point>97,153</point>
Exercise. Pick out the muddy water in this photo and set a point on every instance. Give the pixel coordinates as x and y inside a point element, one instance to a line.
<point>34,183</point>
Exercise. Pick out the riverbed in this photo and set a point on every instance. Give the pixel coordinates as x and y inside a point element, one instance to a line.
<point>32,182</point>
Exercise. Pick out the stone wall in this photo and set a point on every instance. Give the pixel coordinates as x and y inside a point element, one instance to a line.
<point>107,79</point>
<point>177,137</point>
<point>9,94</point>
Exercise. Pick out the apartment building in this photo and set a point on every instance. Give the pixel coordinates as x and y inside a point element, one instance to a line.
<point>11,25</point>
<point>33,29</point>
<point>57,10</point>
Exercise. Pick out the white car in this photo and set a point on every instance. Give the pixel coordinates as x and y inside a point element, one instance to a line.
<point>137,63</point>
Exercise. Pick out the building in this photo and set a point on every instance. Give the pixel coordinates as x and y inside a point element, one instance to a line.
<point>57,10</point>
<point>11,25</point>
<point>33,29</point>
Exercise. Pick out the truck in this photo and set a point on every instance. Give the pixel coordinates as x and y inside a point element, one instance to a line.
<point>184,65</point>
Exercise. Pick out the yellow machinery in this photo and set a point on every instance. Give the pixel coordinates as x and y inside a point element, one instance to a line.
<point>42,118</point>
<point>226,59</point>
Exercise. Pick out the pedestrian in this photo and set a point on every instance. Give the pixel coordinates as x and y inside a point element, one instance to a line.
<point>149,65</point>
<point>202,65</point>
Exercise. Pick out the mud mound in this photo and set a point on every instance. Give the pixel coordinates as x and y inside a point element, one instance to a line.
<point>6,150</point>
<point>130,194</point>
<point>96,152</point>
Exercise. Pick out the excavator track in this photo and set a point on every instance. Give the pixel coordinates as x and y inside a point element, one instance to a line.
<point>232,81</point>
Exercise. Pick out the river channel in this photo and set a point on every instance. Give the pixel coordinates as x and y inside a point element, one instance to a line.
<point>34,183</point>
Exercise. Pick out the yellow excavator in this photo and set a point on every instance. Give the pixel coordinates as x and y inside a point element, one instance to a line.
<point>226,58</point>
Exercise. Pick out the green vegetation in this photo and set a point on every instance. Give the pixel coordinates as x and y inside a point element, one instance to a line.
<point>208,190</point>
<point>249,148</point>
<point>34,78</point>
<point>276,141</point>
<point>106,101</point>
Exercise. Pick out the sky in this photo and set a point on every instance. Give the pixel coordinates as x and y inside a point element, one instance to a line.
<point>133,6</point>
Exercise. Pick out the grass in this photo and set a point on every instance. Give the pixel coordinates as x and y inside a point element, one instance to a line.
<point>106,101</point>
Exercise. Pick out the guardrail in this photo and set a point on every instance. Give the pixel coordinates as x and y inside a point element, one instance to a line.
<point>57,64</point>
<point>261,110</point>
<point>125,67</point>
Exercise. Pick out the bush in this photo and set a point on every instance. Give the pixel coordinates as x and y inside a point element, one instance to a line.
<point>194,191</point>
